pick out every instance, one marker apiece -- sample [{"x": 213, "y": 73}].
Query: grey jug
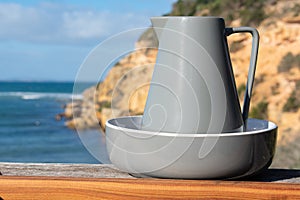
[{"x": 193, "y": 88}]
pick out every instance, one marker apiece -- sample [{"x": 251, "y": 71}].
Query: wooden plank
[
  {"x": 109, "y": 171},
  {"x": 13, "y": 187},
  {"x": 66, "y": 170}
]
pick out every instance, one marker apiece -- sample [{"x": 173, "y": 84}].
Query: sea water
[{"x": 29, "y": 131}]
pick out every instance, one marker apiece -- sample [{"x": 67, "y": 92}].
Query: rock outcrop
[
  {"x": 277, "y": 81},
  {"x": 123, "y": 92},
  {"x": 81, "y": 113}
]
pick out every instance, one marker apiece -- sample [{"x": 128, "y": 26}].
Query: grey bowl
[{"x": 190, "y": 156}]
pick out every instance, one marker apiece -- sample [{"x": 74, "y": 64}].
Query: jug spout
[{"x": 158, "y": 24}]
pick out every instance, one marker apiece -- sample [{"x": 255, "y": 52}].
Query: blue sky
[{"x": 48, "y": 40}]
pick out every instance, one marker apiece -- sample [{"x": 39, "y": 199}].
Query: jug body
[{"x": 192, "y": 88}]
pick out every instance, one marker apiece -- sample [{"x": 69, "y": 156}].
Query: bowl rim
[{"x": 271, "y": 126}]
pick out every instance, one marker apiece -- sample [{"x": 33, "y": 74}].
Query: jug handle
[{"x": 252, "y": 66}]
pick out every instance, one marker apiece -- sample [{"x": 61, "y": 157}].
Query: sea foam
[{"x": 40, "y": 95}]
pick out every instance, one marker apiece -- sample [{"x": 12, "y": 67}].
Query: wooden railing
[{"x": 92, "y": 181}]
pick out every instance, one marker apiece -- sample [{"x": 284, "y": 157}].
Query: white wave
[
  {"x": 40, "y": 95},
  {"x": 30, "y": 96}
]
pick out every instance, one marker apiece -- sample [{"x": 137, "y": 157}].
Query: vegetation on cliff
[{"x": 251, "y": 12}]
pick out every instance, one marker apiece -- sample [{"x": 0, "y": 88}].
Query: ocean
[{"x": 29, "y": 131}]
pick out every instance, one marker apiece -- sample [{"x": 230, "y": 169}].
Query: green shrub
[
  {"x": 184, "y": 8},
  {"x": 260, "y": 111},
  {"x": 275, "y": 89},
  {"x": 251, "y": 12},
  {"x": 236, "y": 46},
  {"x": 289, "y": 61},
  {"x": 296, "y": 10},
  {"x": 104, "y": 104},
  {"x": 241, "y": 89},
  {"x": 292, "y": 104},
  {"x": 298, "y": 85}
]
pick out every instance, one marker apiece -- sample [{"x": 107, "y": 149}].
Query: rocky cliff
[{"x": 276, "y": 92}]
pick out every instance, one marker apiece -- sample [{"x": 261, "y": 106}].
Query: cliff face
[
  {"x": 277, "y": 82},
  {"x": 123, "y": 92},
  {"x": 125, "y": 89}
]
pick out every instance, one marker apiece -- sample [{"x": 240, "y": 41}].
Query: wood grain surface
[
  {"x": 16, "y": 187},
  {"x": 110, "y": 171}
]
